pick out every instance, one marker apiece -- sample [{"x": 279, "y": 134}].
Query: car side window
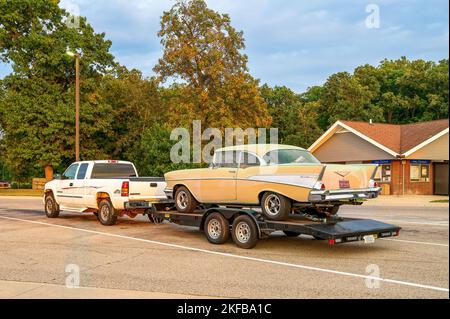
[
  {"x": 70, "y": 172},
  {"x": 248, "y": 160},
  {"x": 82, "y": 171},
  {"x": 226, "y": 159}
]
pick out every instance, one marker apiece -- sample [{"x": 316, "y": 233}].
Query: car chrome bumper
[
  {"x": 169, "y": 193},
  {"x": 343, "y": 194}
]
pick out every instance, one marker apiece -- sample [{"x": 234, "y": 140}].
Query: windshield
[{"x": 290, "y": 156}]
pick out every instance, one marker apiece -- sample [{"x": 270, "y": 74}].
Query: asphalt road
[{"x": 138, "y": 259}]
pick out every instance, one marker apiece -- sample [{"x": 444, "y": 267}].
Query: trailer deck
[{"x": 247, "y": 226}]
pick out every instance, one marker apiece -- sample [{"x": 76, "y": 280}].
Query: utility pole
[
  {"x": 77, "y": 57},
  {"x": 77, "y": 107}
]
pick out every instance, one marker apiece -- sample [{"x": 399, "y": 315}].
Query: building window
[
  {"x": 383, "y": 174},
  {"x": 419, "y": 173}
]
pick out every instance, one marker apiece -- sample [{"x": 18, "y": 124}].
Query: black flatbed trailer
[{"x": 247, "y": 226}]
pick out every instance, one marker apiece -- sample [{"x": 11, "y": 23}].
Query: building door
[{"x": 441, "y": 178}]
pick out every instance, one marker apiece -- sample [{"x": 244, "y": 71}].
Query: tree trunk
[{"x": 48, "y": 169}]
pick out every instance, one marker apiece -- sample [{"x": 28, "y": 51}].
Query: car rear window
[{"x": 112, "y": 170}]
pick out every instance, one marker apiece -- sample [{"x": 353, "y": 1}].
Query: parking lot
[{"x": 138, "y": 259}]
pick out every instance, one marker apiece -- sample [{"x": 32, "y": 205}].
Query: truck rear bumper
[{"x": 343, "y": 194}]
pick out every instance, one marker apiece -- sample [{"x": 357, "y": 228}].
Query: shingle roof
[{"x": 399, "y": 138}]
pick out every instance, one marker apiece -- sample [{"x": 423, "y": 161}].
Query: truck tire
[
  {"x": 106, "y": 213},
  {"x": 184, "y": 201},
  {"x": 51, "y": 207},
  {"x": 275, "y": 206},
  {"x": 244, "y": 232},
  {"x": 217, "y": 228}
]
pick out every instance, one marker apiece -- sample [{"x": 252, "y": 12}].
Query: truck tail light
[
  {"x": 125, "y": 191},
  {"x": 322, "y": 187}
]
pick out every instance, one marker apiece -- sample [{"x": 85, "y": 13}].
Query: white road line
[
  {"x": 405, "y": 283},
  {"x": 415, "y": 242}
]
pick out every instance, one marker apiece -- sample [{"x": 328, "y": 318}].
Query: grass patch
[
  {"x": 21, "y": 192},
  {"x": 439, "y": 201}
]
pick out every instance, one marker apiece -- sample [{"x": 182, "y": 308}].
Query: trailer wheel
[
  {"x": 275, "y": 206},
  {"x": 244, "y": 232},
  {"x": 290, "y": 233},
  {"x": 217, "y": 228},
  {"x": 184, "y": 201},
  {"x": 106, "y": 213},
  {"x": 51, "y": 207}
]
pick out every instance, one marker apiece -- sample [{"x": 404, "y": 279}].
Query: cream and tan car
[{"x": 279, "y": 178}]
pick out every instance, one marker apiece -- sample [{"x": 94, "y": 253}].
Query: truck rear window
[{"x": 112, "y": 170}]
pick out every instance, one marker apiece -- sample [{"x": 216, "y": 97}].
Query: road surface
[{"x": 40, "y": 257}]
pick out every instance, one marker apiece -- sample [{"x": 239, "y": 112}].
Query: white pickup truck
[{"x": 108, "y": 189}]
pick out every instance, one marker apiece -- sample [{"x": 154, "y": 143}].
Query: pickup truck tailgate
[{"x": 147, "y": 188}]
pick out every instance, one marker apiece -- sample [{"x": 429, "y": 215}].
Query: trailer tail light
[
  {"x": 331, "y": 242},
  {"x": 397, "y": 233},
  {"x": 125, "y": 191}
]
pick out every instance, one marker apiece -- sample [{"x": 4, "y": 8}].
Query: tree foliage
[{"x": 202, "y": 49}]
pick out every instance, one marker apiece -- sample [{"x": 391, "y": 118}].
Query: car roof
[{"x": 259, "y": 149}]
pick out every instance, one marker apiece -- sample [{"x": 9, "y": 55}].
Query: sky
[{"x": 296, "y": 43}]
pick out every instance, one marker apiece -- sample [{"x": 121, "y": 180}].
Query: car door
[
  {"x": 79, "y": 190},
  {"x": 219, "y": 184},
  {"x": 247, "y": 189},
  {"x": 65, "y": 191}
]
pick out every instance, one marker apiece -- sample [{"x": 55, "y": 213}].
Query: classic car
[{"x": 279, "y": 178}]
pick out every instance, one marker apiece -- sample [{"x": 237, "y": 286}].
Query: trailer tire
[
  {"x": 244, "y": 232},
  {"x": 275, "y": 206},
  {"x": 217, "y": 228},
  {"x": 106, "y": 213},
  {"x": 51, "y": 207},
  {"x": 291, "y": 233}
]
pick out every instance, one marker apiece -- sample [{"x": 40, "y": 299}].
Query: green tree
[
  {"x": 203, "y": 50},
  {"x": 37, "y": 106}
]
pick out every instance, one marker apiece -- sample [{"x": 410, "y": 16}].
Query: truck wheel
[
  {"x": 51, "y": 207},
  {"x": 106, "y": 214},
  {"x": 244, "y": 232},
  {"x": 217, "y": 228},
  {"x": 184, "y": 201},
  {"x": 290, "y": 233},
  {"x": 275, "y": 206}
]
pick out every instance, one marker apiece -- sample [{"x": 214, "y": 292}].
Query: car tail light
[{"x": 125, "y": 191}]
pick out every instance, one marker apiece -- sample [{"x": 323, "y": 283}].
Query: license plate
[
  {"x": 369, "y": 239},
  {"x": 344, "y": 184}
]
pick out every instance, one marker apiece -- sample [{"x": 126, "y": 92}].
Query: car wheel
[
  {"x": 106, "y": 213},
  {"x": 217, "y": 228},
  {"x": 244, "y": 232},
  {"x": 275, "y": 206},
  {"x": 51, "y": 207},
  {"x": 290, "y": 233},
  {"x": 184, "y": 201}
]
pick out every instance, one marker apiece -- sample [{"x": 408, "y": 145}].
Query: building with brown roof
[{"x": 413, "y": 158}]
